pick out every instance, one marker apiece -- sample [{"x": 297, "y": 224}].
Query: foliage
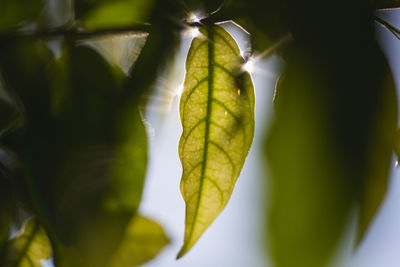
[
  {"x": 217, "y": 113},
  {"x": 73, "y": 146}
]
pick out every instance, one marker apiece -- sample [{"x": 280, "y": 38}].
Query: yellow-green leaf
[
  {"x": 29, "y": 247},
  {"x": 217, "y": 114},
  {"x": 120, "y": 13},
  {"x": 144, "y": 239}
]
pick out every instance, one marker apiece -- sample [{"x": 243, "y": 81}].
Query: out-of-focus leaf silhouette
[
  {"x": 330, "y": 142},
  {"x": 101, "y": 173},
  {"x": 84, "y": 169},
  {"x": 143, "y": 240},
  {"x": 217, "y": 115},
  {"x": 311, "y": 194},
  {"x": 28, "y": 247},
  {"x": 15, "y": 13}
]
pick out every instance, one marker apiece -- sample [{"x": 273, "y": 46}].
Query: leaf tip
[
  {"x": 181, "y": 253},
  {"x": 185, "y": 248}
]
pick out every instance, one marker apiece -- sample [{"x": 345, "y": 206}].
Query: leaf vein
[{"x": 220, "y": 148}]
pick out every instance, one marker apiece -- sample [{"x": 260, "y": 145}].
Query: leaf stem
[
  {"x": 75, "y": 33},
  {"x": 388, "y": 26}
]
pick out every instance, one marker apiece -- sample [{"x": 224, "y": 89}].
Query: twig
[
  {"x": 388, "y": 26},
  {"x": 73, "y": 33}
]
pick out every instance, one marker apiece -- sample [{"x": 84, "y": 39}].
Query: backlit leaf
[
  {"x": 28, "y": 248},
  {"x": 120, "y": 13},
  {"x": 143, "y": 240},
  {"x": 217, "y": 114}
]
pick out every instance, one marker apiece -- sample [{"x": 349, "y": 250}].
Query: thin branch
[
  {"x": 74, "y": 33},
  {"x": 388, "y": 26}
]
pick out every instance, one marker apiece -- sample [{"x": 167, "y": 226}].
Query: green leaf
[
  {"x": 120, "y": 13},
  {"x": 18, "y": 12},
  {"x": 101, "y": 160},
  {"x": 143, "y": 240},
  {"x": 29, "y": 247},
  {"x": 327, "y": 150},
  {"x": 85, "y": 154},
  {"x": 217, "y": 114},
  {"x": 306, "y": 216}
]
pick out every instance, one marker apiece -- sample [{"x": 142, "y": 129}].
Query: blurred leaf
[
  {"x": 85, "y": 156},
  {"x": 143, "y": 240},
  {"x": 382, "y": 4},
  {"x": 311, "y": 194},
  {"x": 18, "y": 12},
  {"x": 56, "y": 14},
  {"x": 99, "y": 175},
  {"x": 117, "y": 13},
  {"x": 29, "y": 247},
  {"x": 217, "y": 113},
  {"x": 328, "y": 148},
  {"x": 120, "y": 50},
  {"x": 383, "y": 139}
]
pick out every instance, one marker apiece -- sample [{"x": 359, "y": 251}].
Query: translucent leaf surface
[
  {"x": 28, "y": 247},
  {"x": 217, "y": 114},
  {"x": 120, "y": 13},
  {"x": 143, "y": 240},
  {"x": 121, "y": 50}
]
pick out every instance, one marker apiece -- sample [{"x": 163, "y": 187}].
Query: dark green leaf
[
  {"x": 329, "y": 145},
  {"x": 94, "y": 186},
  {"x": 16, "y": 13},
  {"x": 217, "y": 114}
]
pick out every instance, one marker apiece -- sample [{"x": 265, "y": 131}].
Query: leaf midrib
[{"x": 210, "y": 35}]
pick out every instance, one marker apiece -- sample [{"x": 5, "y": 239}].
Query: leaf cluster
[{"x": 73, "y": 146}]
